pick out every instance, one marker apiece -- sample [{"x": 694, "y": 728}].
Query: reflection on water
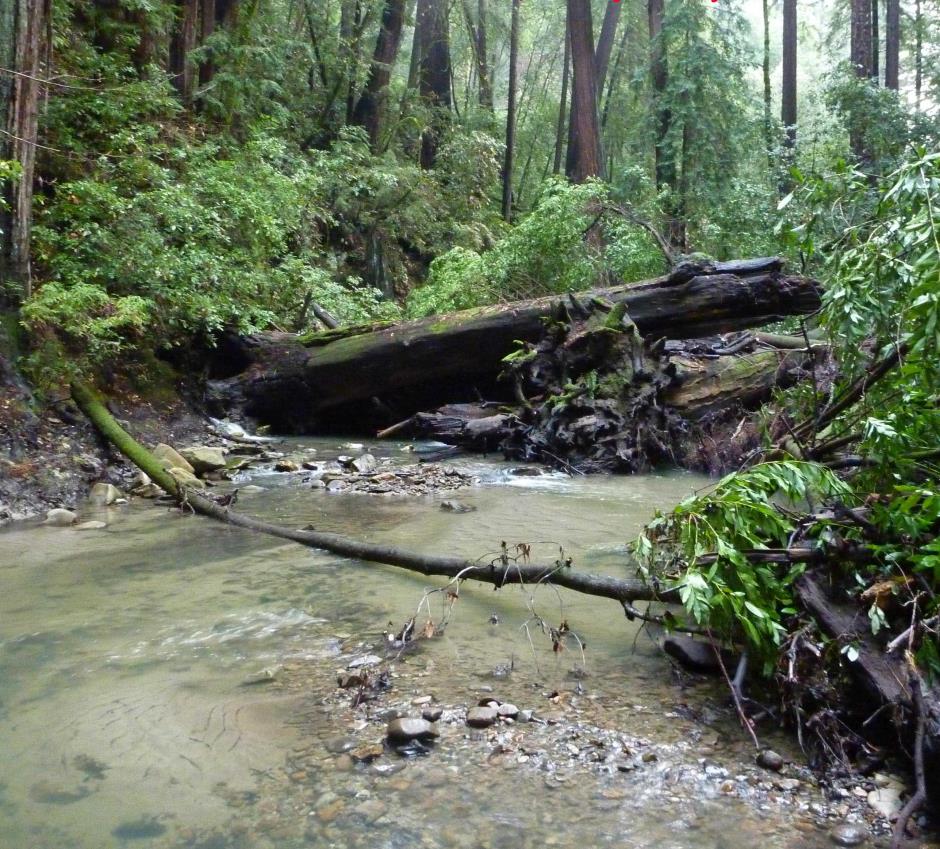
[{"x": 126, "y": 716}]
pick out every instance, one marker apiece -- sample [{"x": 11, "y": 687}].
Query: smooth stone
[
  {"x": 481, "y": 717},
  {"x": 432, "y": 714},
  {"x": 341, "y": 745},
  {"x": 367, "y": 753},
  {"x": 337, "y": 485},
  {"x": 769, "y": 759},
  {"x": 60, "y": 518},
  {"x": 364, "y": 464},
  {"x": 410, "y": 728},
  {"x": 507, "y": 710},
  {"x": 147, "y": 490},
  {"x": 204, "y": 458},
  {"x": 363, "y": 660},
  {"x": 251, "y": 489},
  {"x": 286, "y": 466},
  {"x": 186, "y": 478},
  {"x": 886, "y": 800},
  {"x": 91, "y": 526},
  {"x": 103, "y": 494},
  {"x": 695, "y": 655},
  {"x": 170, "y": 458},
  {"x": 848, "y": 834}
]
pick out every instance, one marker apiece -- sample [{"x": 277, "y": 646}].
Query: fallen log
[
  {"x": 419, "y": 365},
  {"x": 498, "y": 572}
]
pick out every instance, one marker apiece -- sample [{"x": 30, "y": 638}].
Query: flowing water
[{"x": 126, "y": 719}]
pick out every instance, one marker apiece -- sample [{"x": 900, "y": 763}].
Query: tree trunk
[
  {"x": 875, "y": 40},
  {"x": 788, "y": 98},
  {"x": 861, "y": 55},
  {"x": 665, "y": 163},
  {"x": 768, "y": 102},
  {"x": 584, "y": 149},
  {"x": 892, "y": 43},
  {"x": 182, "y": 41},
  {"x": 420, "y": 365},
  {"x": 25, "y": 31},
  {"x": 478, "y": 44},
  {"x": 511, "y": 111},
  {"x": 207, "y": 68},
  {"x": 614, "y": 75},
  {"x": 370, "y": 110},
  {"x": 562, "y": 106},
  {"x": 434, "y": 75},
  {"x": 918, "y": 53},
  {"x": 605, "y": 44}
]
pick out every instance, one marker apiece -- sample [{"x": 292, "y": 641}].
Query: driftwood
[
  {"x": 497, "y": 572},
  {"x": 419, "y": 365}
]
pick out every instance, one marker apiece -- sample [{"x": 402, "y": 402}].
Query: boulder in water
[{"x": 204, "y": 458}]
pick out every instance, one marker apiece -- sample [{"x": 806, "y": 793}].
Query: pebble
[
  {"x": 481, "y": 717},
  {"x": 848, "y": 834},
  {"x": 769, "y": 759}
]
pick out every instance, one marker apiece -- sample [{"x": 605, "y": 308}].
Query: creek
[{"x": 126, "y": 718}]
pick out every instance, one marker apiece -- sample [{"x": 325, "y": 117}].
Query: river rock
[
  {"x": 147, "y": 490},
  {"x": 170, "y": 458},
  {"x": 410, "y": 728},
  {"x": 186, "y": 478},
  {"x": 456, "y": 507},
  {"x": 91, "y": 526},
  {"x": 204, "y": 458},
  {"x": 507, "y": 711},
  {"x": 849, "y": 834},
  {"x": 697, "y": 655},
  {"x": 769, "y": 759},
  {"x": 886, "y": 800},
  {"x": 481, "y": 717},
  {"x": 364, "y": 464},
  {"x": 103, "y": 494},
  {"x": 60, "y": 518},
  {"x": 432, "y": 714},
  {"x": 286, "y": 466}
]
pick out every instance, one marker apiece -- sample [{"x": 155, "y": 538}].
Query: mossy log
[
  {"x": 496, "y": 572},
  {"x": 420, "y": 365}
]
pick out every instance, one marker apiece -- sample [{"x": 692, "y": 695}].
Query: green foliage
[{"x": 732, "y": 596}]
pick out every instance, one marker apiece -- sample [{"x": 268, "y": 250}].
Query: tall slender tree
[
  {"x": 860, "y": 54},
  {"x": 25, "y": 41},
  {"x": 788, "y": 93},
  {"x": 875, "y": 39},
  {"x": 183, "y": 40},
  {"x": 768, "y": 102},
  {"x": 478, "y": 44},
  {"x": 511, "y": 111},
  {"x": 370, "y": 109},
  {"x": 605, "y": 44},
  {"x": 659, "y": 73},
  {"x": 584, "y": 149},
  {"x": 892, "y": 42},
  {"x": 562, "y": 106}
]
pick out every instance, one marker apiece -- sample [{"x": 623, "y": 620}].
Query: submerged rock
[
  {"x": 91, "y": 526},
  {"x": 769, "y": 759},
  {"x": 103, "y": 494},
  {"x": 481, "y": 717},
  {"x": 364, "y": 464},
  {"x": 848, "y": 834},
  {"x": 60, "y": 518},
  {"x": 456, "y": 507}
]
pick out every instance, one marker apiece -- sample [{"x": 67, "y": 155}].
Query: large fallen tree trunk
[
  {"x": 419, "y": 365},
  {"x": 498, "y": 572}
]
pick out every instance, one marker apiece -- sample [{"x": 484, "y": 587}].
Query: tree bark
[
  {"x": 659, "y": 73},
  {"x": 605, "y": 44},
  {"x": 25, "y": 31},
  {"x": 788, "y": 94},
  {"x": 370, "y": 110},
  {"x": 182, "y": 41},
  {"x": 434, "y": 75},
  {"x": 614, "y": 75},
  {"x": 861, "y": 55},
  {"x": 585, "y": 158},
  {"x": 511, "y": 111},
  {"x": 875, "y": 40},
  {"x": 768, "y": 125},
  {"x": 892, "y": 43},
  {"x": 918, "y": 53},
  {"x": 420, "y": 365},
  {"x": 562, "y": 106},
  {"x": 478, "y": 43}
]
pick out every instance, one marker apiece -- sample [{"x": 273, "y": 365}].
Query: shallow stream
[{"x": 126, "y": 719}]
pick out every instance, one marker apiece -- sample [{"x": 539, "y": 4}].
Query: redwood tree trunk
[
  {"x": 788, "y": 99},
  {"x": 370, "y": 110},
  {"x": 562, "y": 106},
  {"x": 605, "y": 44},
  {"x": 182, "y": 41},
  {"x": 861, "y": 55},
  {"x": 511, "y": 111},
  {"x": 434, "y": 76},
  {"x": 584, "y": 150},
  {"x": 768, "y": 126},
  {"x": 24, "y": 29},
  {"x": 875, "y": 39},
  {"x": 892, "y": 43},
  {"x": 665, "y": 164}
]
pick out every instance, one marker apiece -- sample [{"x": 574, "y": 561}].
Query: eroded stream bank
[{"x": 124, "y": 718}]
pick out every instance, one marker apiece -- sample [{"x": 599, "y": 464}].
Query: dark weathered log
[{"x": 422, "y": 364}]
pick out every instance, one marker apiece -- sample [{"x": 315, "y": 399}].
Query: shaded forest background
[{"x": 172, "y": 169}]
